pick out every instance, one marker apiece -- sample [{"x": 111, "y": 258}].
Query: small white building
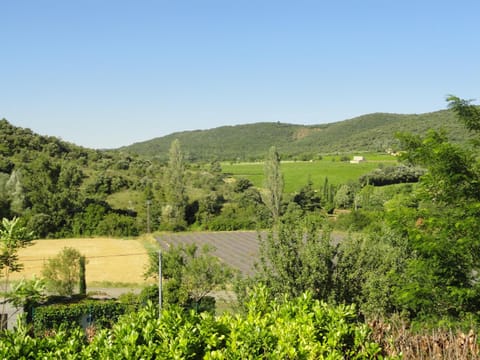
[{"x": 357, "y": 160}]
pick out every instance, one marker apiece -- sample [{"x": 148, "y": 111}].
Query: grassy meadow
[
  {"x": 110, "y": 262},
  {"x": 297, "y": 173}
]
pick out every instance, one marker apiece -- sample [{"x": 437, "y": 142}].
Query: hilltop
[{"x": 372, "y": 132}]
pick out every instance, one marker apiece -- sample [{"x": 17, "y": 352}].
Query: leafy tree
[
  {"x": 6, "y": 165},
  {"x": 438, "y": 227},
  {"x": 245, "y": 210},
  {"x": 13, "y": 237},
  {"x": 4, "y": 197},
  {"x": 297, "y": 256},
  {"x": 216, "y": 170},
  {"x": 86, "y": 223},
  {"x": 344, "y": 197},
  {"x": 190, "y": 273},
  {"x": 63, "y": 272},
  {"x": 241, "y": 185},
  {"x": 273, "y": 183},
  {"x": 51, "y": 190},
  {"x": 452, "y": 173},
  {"x": 173, "y": 213},
  {"x": 26, "y": 294},
  {"x": 16, "y": 193},
  {"x": 367, "y": 268},
  {"x": 209, "y": 207},
  {"x": 118, "y": 224},
  {"x": 466, "y": 112},
  {"x": 307, "y": 198}
]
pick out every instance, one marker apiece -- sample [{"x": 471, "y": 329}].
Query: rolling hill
[{"x": 372, "y": 132}]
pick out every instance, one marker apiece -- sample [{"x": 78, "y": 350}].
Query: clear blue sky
[{"x": 104, "y": 73}]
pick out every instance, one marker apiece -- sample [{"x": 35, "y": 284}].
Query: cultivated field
[
  {"x": 238, "y": 249},
  {"x": 298, "y": 173},
  {"x": 109, "y": 261}
]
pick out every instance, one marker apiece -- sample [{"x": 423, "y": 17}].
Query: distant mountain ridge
[{"x": 372, "y": 132}]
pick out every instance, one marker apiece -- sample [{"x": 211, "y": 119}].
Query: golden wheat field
[{"x": 108, "y": 260}]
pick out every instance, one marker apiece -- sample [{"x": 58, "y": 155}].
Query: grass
[
  {"x": 298, "y": 173},
  {"x": 127, "y": 199},
  {"x": 109, "y": 261}
]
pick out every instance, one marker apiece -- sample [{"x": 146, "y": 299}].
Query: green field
[{"x": 297, "y": 173}]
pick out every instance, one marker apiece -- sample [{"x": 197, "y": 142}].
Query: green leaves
[
  {"x": 296, "y": 256},
  {"x": 190, "y": 273},
  {"x": 13, "y": 236},
  {"x": 469, "y": 114},
  {"x": 296, "y": 328},
  {"x": 274, "y": 184},
  {"x": 63, "y": 271}
]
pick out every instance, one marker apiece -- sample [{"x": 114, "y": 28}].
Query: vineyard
[{"x": 238, "y": 249}]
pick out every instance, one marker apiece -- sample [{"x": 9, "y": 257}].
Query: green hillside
[
  {"x": 372, "y": 132},
  {"x": 225, "y": 143},
  {"x": 60, "y": 189}
]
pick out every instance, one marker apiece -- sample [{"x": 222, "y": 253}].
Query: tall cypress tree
[
  {"x": 273, "y": 183},
  {"x": 173, "y": 213},
  {"x": 82, "y": 278}
]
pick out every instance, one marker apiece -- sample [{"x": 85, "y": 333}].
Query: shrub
[
  {"x": 298, "y": 328},
  {"x": 63, "y": 272},
  {"x": 69, "y": 316},
  {"x": 356, "y": 220}
]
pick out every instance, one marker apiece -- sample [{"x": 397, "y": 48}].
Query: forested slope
[
  {"x": 60, "y": 189},
  {"x": 372, "y": 132}
]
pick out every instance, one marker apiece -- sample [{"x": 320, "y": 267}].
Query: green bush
[
  {"x": 300, "y": 328},
  {"x": 353, "y": 221},
  {"x": 68, "y": 316}
]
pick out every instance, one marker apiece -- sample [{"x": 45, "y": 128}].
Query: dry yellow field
[{"x": 108, "y": 260}]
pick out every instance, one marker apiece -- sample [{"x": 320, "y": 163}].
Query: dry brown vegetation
[
  {"x": 438, "y": 344},
  {"x": 108, "y": 260}
]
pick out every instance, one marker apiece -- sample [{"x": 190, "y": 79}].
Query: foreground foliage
[{"x": 300, "y": 328}]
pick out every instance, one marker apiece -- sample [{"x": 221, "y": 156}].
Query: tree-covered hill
[
  {"x": 243, "y": 142},
  {"x": 61, "y": 189},
  {"x": 372, "y": 132}
]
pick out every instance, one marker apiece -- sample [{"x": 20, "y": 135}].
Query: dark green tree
[
  {"x": 52, "y": 194},
  {"x": 308, "y": 198},
  {"x": 82, "y": 279}
]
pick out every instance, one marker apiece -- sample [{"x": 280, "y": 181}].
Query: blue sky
[{"x": 104, "y": 74}]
